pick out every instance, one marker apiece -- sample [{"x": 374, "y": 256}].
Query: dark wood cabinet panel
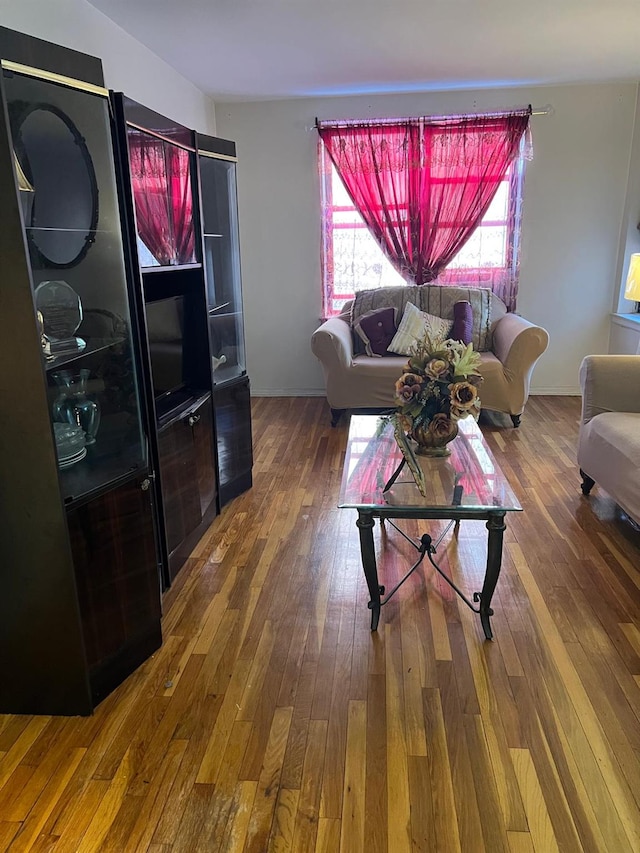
[
  {"x": 205, "y": 459},
  {"x": 113, "y": 547},
  {"x": 178, "y": 482},
  {"x": 232, "y": 406},
  {"x": 188, "y": 480}
]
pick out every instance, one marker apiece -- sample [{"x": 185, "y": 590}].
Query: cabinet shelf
[
  {"x": 88, "y": 479},
  {"x": 169, "y": 268},
  {"x": 66, "y": 230},
  {"x": 217, "y": 312},
  {"x": 226, "y": 373},
  {"x": 93, "y": 345},
  {"x": 111, "y": 458}
]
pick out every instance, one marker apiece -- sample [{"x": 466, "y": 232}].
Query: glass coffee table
[{"x": 468, "y": 484}]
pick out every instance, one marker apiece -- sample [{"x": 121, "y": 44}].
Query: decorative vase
[
  {"x": 72, "y": 405},
  {"x": 432, "y": 438}
]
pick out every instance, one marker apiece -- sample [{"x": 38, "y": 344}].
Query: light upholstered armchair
[{"x": 609, "y": 439}]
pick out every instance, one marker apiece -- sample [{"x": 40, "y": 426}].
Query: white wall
[
  {"x": 630, "y": 235},
  {"x": 128, "y": 66},
  {"x": 574, "y": 205}
]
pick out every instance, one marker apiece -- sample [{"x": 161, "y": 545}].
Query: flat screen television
[{"x": 165, "y": 330}]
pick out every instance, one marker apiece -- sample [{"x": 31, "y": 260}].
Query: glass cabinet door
[
  {"x": 64, "y": 166},
  {"x": 161, "y": 184},
  {"x": 222, "y": 267}
]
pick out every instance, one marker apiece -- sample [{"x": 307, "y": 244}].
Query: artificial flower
[
  {"x": 408, "y": 387},
  {"x": 436, "y": 368},
  {"x": 441, "y": 426},
  {"x": 463, "y": 395}
]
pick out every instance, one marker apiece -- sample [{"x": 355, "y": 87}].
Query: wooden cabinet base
[
  {"x": 113, "y": 547},
  {"x": 111, "y": 673},
  {"x": 188, "y": 486},
  {"x": 232, "y": 488}
]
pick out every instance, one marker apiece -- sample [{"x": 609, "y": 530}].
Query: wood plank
[
  {"x": 355, "y": 773},
  {"x": 306, "y": 827},
  {"x": 398, "y": 795},
  {"x": 423, "y": 832},
  {"x": 376, "y": 804},
  {"x": 21, "y": 747},
  {"x": 267, "y": 791},
  {"x": 445, "y": 818},
  {"x": 109, "y": 806},
  {"x": 540, "y": 826},
  {"x": 45, "y": 803},
  {"x": 328, "y": 835},
  {"x": 281, "y": 838},
  {"x": 237, "y": 828}
]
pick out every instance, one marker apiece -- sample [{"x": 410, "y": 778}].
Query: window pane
[
  {"x": 487, "y": 247},
  {"x": 359, "y": 263},
  {"x": 348, "y": 217},
  {"x": 340, "y": 195},
  {"x": 499, "y": 207}
]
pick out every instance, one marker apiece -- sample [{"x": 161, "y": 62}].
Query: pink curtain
[
  {"x": 422, "y": 186},
  {"x": 161, "y": 179}
]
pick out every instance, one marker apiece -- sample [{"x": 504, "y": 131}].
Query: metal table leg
[
  {"x": 496, "y": 527},
  {"x": 367, "y": 551}
]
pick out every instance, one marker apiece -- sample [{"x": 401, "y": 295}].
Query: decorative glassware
[{"x": 72, "y": 405}]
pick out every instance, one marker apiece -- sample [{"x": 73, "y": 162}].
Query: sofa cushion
[
  {"x": 439, "y": 300},
  {"x": 415, "y": 324},
  {"x": 370, "y": 382},
  {"x": 377, "y": 328},
  {"x": 462, "y": 329}
]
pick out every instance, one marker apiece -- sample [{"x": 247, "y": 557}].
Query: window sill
[{"x": 631, "y": 321}]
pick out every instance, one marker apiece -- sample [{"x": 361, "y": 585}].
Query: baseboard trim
[
  {"x": 288, "y": 392},
  {"x": 562, "y": 391}
]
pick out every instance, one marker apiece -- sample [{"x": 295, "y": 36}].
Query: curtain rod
[{"x": 534, "y": 111}]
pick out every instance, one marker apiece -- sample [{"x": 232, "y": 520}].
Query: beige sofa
[
  {"x": 609, "y": 439},
  {"x": 509, "y": 347}
]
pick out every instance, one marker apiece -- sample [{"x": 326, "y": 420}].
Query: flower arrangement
[{"x": 438, "y": 388}]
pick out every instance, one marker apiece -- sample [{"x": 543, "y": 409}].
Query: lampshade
[{"x": 632, "y": 290}]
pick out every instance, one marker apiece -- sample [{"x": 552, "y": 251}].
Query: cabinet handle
[
  {"x": 193, "y": 420},
  {"x": 144, "y": 485}
]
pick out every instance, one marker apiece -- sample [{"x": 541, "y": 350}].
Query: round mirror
[{"x": 63, "y": 213}]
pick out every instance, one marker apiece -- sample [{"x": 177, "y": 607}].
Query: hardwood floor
[{"x": 272, "y": 719}]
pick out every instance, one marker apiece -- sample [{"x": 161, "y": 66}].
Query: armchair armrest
[
  {"x": 518, "y": 344},
  {"x": 332, "y": 344},
  {"x": 609, "y": 383}
]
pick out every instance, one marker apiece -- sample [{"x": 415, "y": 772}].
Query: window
[{"x": 352, "y": 259}]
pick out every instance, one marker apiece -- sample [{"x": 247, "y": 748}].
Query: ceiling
[{"x": 266, "y": 49}]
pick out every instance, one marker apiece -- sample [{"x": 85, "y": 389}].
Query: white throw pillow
[{"x": 413, "y": 327}]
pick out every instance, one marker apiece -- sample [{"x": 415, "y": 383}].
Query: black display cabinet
[
  {"x": 80, "y": 605},
  {"x": 159, "y": 158},
  {"x": 221, "y": 254}
]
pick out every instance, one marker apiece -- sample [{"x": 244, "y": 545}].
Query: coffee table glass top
[{"x": 373, "y": 455}]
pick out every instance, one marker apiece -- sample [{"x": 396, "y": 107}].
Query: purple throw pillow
[
  {"x": 462, "y": 323},
  {"x": 377, "y": 328}
]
